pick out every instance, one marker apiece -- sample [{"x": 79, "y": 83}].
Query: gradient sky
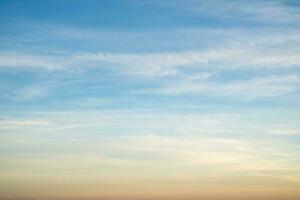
[{"x": 149, "y": 99}]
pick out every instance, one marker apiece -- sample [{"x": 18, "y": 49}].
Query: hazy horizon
[{"x": 149, "y": 100}]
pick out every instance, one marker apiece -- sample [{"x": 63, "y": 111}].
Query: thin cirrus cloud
[
  {"x": 159, "y": 63},
  {"x": 178, "y": 99},
  {"x": 28, "y": 61},
  {"x": 137, "y": 123},
  {"x": 167, "y": 64},
  {"x": 268, "y": 86},
  {"x": 210, "y": 153},
  {"x": 270, "y": 12}
]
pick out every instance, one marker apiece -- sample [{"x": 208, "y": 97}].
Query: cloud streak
[
  {"x": 270, "y": 12},
  {"x": 252, "y": 88},
  {"x": 161, "y": 64}
]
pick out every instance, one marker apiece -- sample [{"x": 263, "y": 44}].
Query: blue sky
[{"x": 175, "y": 90}]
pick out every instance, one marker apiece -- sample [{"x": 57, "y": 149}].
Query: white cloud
[
  {"x": 223, "y": 142},
  {"x": 284, "y": 130},
  {"x": 140, "y": 122},
  {"x": 172, "y": 63},
  {"x": 27, "y": 61},
  {"x": 93, "y": 101},
  {"x": 257, "y": 87},
  {"x": 157, "y": 151},
  {"x": 272, "y": 12},
  {"x": 221, "y": 154},
  {"x": 258, "y": 53},
  {"x": 28, "y": 93},
  {"x": 127, "y": 122},
  {"x": 23, "y": 123},
  {"x": 266, "y": 11}
]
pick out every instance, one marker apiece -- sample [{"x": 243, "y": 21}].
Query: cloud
[
  {"x": 184, "y": 154},
  {"x": 271, "y": 12},
  {"x": 265, "y": 11},
  {"x": 257, "y": 87},
  {"x": 160, "y": 64},
  {"x": 234, "y": 154},
  {"x": 73, "y": 141},
  {"x": 93, "y": 101},
  {"x": 27, "y": 61},
  {"x": 172, "y": 63},
  {"x": 139, "y": 122},
  {"x": 21, "y": 124},
  {"x": 133, "y": 122},
  {"x": 284, "y": 130},
  {"x": 29, "y": 93}
]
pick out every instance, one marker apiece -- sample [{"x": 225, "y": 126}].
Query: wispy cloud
[
  {"x": 28, "y": 61},
  {"x": 174, "y": 62},
  {"x": 236, "y": 49},
  {"x": 139, "y": 122},
  {"x": 28, "y": 93},
  {"x": 160, "y": 64},
  {"x": 271, "y": 12},
  {"x": 92, "y": 101},
  {"x": 190, "y": 97},
  {"x": 16, "y": 124},
  {"x": 227, "y": 154},
  {"x": 266, "y": 11},
  {"x": 283, "y": 130},
  {"x": 221, "y": 155},
  {"x": 252, "y": 88}
]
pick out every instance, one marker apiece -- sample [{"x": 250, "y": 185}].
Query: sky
[{"x": 149, "y": 99}]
